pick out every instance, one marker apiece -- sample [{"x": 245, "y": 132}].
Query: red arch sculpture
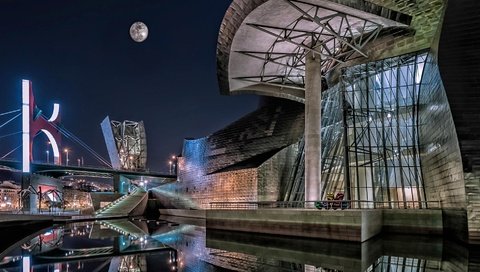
[{"x": 33, "y": 123}]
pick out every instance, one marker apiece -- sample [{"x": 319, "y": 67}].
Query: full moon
[{"x": 139, "y": 31}]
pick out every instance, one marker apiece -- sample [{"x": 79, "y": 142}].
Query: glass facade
[
  {"x": 380, "y": 102},
  {"x": 333, "y": 141}
]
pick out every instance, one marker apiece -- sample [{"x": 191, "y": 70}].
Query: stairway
[
  {"x": 124, "y": 227},
  {"x": 125, "y": 205}
]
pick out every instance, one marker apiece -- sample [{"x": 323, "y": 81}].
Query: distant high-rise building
[{"x": 126, "y": 144}]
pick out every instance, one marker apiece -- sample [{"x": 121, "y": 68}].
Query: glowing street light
[
  {"x": 131, "y": 163},
  {"x": 66, "y": 155},
  {"x": 174, "y": 164},
  {"x": 170, "y": 163},
  {"x": 48, "y": 151}
]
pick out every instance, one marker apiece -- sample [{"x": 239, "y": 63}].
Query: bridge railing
[
  {"x": 86, "y": 167},
  {"x": 116, "y": 201},
  {"x": 326, "y": 204}
]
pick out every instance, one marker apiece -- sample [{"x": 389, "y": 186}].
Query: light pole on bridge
[
  {"x": 66, "y": 155},
  {"x": 174, "y": 164},
  {"x": 48, "y": 151}
]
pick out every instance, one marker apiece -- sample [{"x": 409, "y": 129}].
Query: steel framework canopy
[{"x": 262, "y": 44}]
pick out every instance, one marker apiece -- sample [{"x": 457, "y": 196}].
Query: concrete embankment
[
  {"x": 9, "y": 219},
  {"x": 345, "y": 225}
]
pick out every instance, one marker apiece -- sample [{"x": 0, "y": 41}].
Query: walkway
[{"x": 125, "y": 205}]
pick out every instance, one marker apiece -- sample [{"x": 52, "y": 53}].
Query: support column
[
  {"x": 313, "y": 117},
  {"x": 117, "y": 183},
  {"x": 26, "y": 203},
  {"x": 120, "y": 184}
]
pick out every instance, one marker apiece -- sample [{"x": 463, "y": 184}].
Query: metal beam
[
  {"x": 250, "y": 79},
  {"x": 287, "y": 39},
  {"x": 327, "y": 27},
  {"x": 267, "y": 59}
]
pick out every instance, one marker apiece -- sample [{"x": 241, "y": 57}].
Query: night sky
[{"x": 79, "y": 54}]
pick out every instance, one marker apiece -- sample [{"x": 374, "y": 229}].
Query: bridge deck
[{"x": 62, "y": 170}]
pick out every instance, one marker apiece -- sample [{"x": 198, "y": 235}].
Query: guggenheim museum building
[{"x": 375, "y": 99}]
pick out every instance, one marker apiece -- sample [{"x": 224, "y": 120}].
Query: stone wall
[
  {"x": 139, "y": 208},
  {"x": 338, "y": 225},
  {"x": 423, "y": 221},
  {"x": 103, "y": 197},
  {"x": 346, "y": 225},
  {"x": 455, "y": 224}
]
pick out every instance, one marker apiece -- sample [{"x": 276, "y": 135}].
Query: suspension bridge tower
[{"x": 33, "y": 123}]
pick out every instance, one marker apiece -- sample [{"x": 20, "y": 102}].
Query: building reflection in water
[
  {"x": 161, "y": 245},
  {"x": 201, "y": 250},
  {"x": 133, "y": 263},
  {"x": 392, "y": 263},
  {"x": 116, "y": 245}
]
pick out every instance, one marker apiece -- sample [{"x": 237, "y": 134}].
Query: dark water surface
[{"x": 179, "y": 244}]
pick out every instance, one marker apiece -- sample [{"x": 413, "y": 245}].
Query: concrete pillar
[
  {"x": 28, "y": 203},
  {"x": 116, "y": 183},
  {"x": 120, "y": 184},
  {"x": 118, "y": 244},
  {"x": 313, "y": 117}
]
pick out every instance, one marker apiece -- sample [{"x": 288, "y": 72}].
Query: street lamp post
[
  {"x": 66, "y": 156},
  {"x": 170, "y": 163},
  {"x": 174, "y": 159},
  {"x": 48, "y": 151}
]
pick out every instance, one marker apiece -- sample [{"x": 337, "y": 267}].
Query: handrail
[
  {"x": 113, "y": 203},
  {"x": 327, "y": 204}
]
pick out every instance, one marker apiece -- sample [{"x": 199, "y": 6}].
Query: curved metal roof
[{"x": 262, "y": 44}]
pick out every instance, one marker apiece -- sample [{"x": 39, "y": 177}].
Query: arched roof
[{"x": 262, "y": 43}]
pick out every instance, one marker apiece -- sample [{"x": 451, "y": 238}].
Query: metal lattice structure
[
  {"x": 376, "y": 106},
  {"x": 126, "y": 143},
  {"x": 268, "y": 53},
  {"x": 379, "y": 159},
  {"x": 336, "y": 36},
  {"x": 383, "y": 130}
]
